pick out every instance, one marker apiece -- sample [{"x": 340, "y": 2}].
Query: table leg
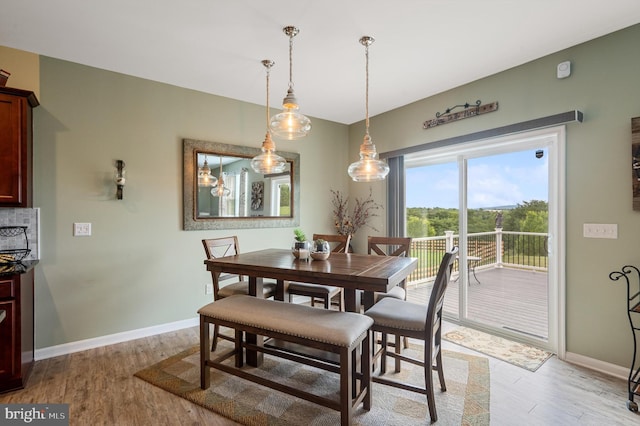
[
  {"x": 368, "y": 299},
  {"x": 255, "y": 358},
  {"x": 282, "y": 290},
  {"x": 473, "y": 270},
  {"x": 352, "y": 300}
]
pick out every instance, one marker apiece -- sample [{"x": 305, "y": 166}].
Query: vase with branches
[{"x": 347, "y": 222}]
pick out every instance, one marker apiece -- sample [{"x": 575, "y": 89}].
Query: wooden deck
[{"x": 512, "y": 299}]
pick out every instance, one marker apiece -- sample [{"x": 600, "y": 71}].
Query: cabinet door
[
  {"x": 9, "y": 364},
  {"x": 13, "y": 151}
]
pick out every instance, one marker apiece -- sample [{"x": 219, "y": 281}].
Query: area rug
[
  {"x": 466, "y": 401},
  {"x": 515, "y": 353}
]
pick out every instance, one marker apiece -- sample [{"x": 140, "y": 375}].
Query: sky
[{"x": 494, "y": 181}]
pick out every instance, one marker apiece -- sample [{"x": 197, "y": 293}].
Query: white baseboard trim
[
  {"x": 111, "y": 339},
  {"x": 82, "y": 345},
  {"x": 597, "y": 365}
]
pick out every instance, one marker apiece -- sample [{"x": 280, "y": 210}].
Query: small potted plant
[
  {"x": 321, "y": 250},
  {"x": 301, "y": 247}
]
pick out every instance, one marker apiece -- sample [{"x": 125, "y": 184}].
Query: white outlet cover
[{"x": 81, "y": 229}]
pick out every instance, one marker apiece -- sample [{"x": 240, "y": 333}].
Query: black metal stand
[
  {"x": 631, "y": 275},
  {"x": 10, "y": 256}
]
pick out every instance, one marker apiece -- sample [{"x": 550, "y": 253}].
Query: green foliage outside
[
  {"x": 285, "y": 196},
  {"x": 530, "y": 216}
]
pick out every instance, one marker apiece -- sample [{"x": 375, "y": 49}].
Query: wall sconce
[{"x": 120, "y": 179}]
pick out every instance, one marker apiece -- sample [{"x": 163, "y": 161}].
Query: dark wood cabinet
[
  {"x": 16, "y": 146},
  {"x": 16, "y": 329}
]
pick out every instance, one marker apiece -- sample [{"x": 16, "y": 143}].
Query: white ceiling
[{"x": 423, "y": 47}]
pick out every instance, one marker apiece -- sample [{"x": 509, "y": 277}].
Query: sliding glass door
[{"x": 498, "y": 201}]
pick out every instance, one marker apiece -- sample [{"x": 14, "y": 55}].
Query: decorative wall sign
[
  {"x": 257, "y": 195},
  {"x": 635, "y": 161},
  {"x": 468, "y": 111}
]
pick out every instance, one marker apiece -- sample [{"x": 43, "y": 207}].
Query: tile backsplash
[{"x": 29, "y": 217}]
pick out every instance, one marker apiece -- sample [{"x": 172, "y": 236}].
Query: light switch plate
[
  {"x": 81, "y": 229},
  {"x": 600, "y": 230}
]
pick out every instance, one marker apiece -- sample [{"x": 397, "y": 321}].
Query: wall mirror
[{"x": 221, "y": 191}]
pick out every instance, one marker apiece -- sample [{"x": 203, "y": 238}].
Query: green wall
[
  {"x": 139, "y": 269},
  {"x": 604, "y": 86}
]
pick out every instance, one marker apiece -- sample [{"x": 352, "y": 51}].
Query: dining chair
[
  {"x": 324, "y": 292},
  {"x": 221, "y": 247},
  {"x": 390, "y": 246},
  {"x": 401, "y": 318}
]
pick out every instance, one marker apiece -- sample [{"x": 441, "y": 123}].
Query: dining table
[{"x": 351, "y": 271}]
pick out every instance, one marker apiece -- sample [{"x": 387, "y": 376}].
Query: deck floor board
[{"x": 507, "y": 298}]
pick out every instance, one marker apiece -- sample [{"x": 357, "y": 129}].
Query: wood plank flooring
[
  {"x": 101, "y": 390},
  {"x": 513, "y": 299}
]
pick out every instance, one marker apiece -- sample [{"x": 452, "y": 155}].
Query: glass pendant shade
[
  {"x": 269, "y": 161},
  {"x": 219, "y": 190},
  {"x": 205, "y": 178},
  {"x": 369, "y": 168},
  {"x": 290, "y": 124}
]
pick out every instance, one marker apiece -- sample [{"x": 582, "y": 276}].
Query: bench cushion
[{"x": 321, "y": 325}]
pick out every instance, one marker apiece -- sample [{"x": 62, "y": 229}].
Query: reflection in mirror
[
  {"x": 221, "y": 190},
  {"x": 233, "y": 189}
]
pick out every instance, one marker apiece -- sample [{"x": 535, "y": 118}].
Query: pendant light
[
  {"x": 369, "y": 168},
  {"x": 220, "y": 190},
  {"x": 205, "y": 178},
  {"x": 268, "y": 162},
  {"x": 290, "y": 124}
]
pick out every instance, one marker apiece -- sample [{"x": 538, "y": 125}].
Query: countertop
[{"x": 17, "y": 268}]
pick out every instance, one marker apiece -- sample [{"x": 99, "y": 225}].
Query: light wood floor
[
  {"x": 513, "y": 299},
  {"x": 101, "y": 390}
]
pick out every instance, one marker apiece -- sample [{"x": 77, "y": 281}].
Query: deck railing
[{"x": 523, "y": 250}]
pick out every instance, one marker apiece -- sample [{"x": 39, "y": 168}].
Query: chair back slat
[
  {"x": 389, "y": 246},
  {"x": 221, "y": 247},
  {"x": 342, "y": 241}
]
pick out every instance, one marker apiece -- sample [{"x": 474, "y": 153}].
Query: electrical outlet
[
  {"x": 600, "y": 230},
  {"x": 208, "y": 289},
  {"x": 81, "y": 229}
]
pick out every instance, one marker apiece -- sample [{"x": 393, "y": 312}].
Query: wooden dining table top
[{"x": 347, "y": 270}]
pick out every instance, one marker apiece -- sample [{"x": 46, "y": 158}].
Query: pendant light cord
[
  {"x": 366, "y": 54},
  {"x": 268, "y": 73},
  {"x": 291, "y": 61}
]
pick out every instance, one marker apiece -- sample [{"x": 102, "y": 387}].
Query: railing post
[
  {"x": 448, "y": 238},
  {"x": 499, "y": 247}
]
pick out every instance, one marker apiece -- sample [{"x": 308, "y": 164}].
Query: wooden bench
[{"x": 345, "y": 334}]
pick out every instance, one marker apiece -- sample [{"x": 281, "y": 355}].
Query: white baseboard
[
  {"x": 82, "y": 345},
  {"x": 597, "y": 365},
  {"x": 111, "y": 339}
]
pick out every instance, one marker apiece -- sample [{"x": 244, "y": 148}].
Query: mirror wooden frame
[{"x": 191, "y": 222}]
